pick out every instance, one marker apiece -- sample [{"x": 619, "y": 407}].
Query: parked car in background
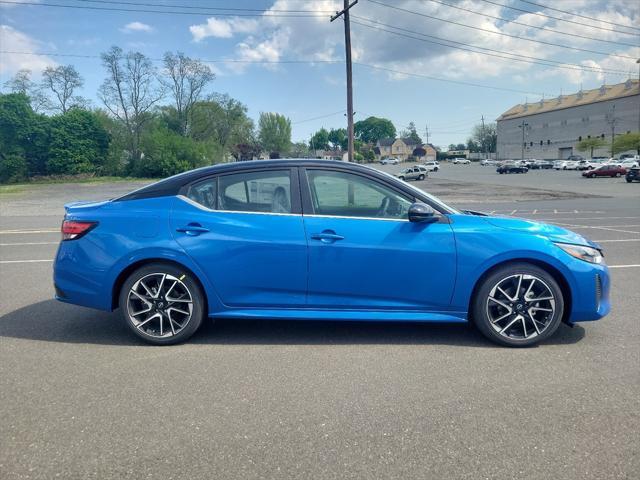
[
  {"x": 633, "y": 174},
  {"x": 389, "y": 161},
  {"x": 541, "y": 165},
  {"x": 431, "y": 166},
  {"x": 628, "y": 163},
  {"x": 488, "y": 162},
  {"x": 630, "y": 156},
  {"x": 317, "y": 249},
  {"x": 461, "y": 161},
  {"x": 605, "y": 171},
  {"x": 583, "y": 165},
  {"x": 575, "y": 158},
  {"x": 566, "y": 165},
  {"x": 512, "y": 167},
  {"x": 417, "y": 172}
]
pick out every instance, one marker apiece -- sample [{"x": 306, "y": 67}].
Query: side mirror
[{"x": 422, "y": 213}]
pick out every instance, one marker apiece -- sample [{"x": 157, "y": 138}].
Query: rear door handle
[
  {"x": 328, "y": 236},
  {"x": 193, "y": 229}
]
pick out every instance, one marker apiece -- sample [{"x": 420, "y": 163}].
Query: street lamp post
[{"x": 523, "y": 125}]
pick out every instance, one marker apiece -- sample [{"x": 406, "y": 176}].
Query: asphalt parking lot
[{"x": 81, "y": 398}]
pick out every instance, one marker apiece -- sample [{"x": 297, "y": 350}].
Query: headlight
[{"x": 588, "y": 254}]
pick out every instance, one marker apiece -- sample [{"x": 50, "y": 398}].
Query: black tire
[
  {"x": 629, "y": 180},
  {"x": 421, "y": 177},
  {"x": 401, "y": 178},
  {"x": 481, "y": 306},
  {"x": 187, "y": 286},
  {"x": 435, "y": 169}
]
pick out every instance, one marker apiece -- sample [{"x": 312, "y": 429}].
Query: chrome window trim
[
  {"x": 206, "y": 209},
  {"x": 357, "y": 218}
]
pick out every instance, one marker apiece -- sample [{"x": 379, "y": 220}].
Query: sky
[{"x": 438, "y": 63}]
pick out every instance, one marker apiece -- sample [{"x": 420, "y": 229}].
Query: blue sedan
[{"x": 320, "y": 240}]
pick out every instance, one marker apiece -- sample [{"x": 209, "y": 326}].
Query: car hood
[{"x": 552, "y": 232}]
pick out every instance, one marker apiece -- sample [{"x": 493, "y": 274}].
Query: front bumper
[{"x": 590, "y": 300}]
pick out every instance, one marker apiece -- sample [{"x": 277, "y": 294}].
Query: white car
[
  {"x": 461, "y": 161},
  {"x": 628, "y": 163},
  {"x": 389, "y": 161},
  {"x": 486, "y": 162},
  {"x": 431, "y": 166},
  {"x": 566, "y": 165}
]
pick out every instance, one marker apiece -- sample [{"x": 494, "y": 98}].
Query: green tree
[
  {"x": 274, "y": 133},
  {"x": 79, "y": 143},
  {"x": 130, "y": 91},
  {"x": 320, "y": 140},
  {"x": 483, "y": 139},
  {"x": 590, "y": 144},
  {"x": 167, "y": 153},
  {"x": 224, "y": 120},
  {"x": 412, "y": 133},
  {"x": 23, "y": 132},
  {"x": 373, "y": 129},
  {"x": 627, "y": 141},
  {"x": 300, "y": 150},
  {"x": 338, "y": 138},
  {"x": 187, "y": 80}
]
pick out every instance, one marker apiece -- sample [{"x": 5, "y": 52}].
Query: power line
[
  {"x": 448, "y": 80},
  {"x": 562, "y": 19},
  {"x": 578, "y": 15},
  {"x": 172, "y": 12},
  {"x": 366, "y": 65},
  {"x": 191, "y": 7},
  {"x": 319, "y": 117},
  {"x": 535, "y": 26},
  {"x": 499, "y": 33},
  {"x": 515, "y": 57}
]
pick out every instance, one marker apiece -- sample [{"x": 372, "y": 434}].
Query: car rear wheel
[
  {"x": 421, "y": 177},
  {"x": 518, "y": 305},
  {"x": 162, "y": 304}
]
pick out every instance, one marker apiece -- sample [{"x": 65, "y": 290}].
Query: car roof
[{"x": 172, "y": 185}]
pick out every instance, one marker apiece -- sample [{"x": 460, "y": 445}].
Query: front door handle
[
  {"x": 193, "y": 229},
  {"x": 327, "y": 236}
]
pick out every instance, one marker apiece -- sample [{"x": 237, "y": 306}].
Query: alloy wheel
[
  {"x": 520, "y": 307},
  {"x": 159, "y": 305}
]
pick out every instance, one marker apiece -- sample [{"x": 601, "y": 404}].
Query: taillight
[{"x": 72, "y": 229}]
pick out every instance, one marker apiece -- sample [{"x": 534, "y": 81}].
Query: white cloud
[
  {"x": 16, "y": 41},
  {"x": 137, "y": 27},
  {"x": 222, "y": 28},
  {"x": 16, "y": 3},
  {"x": 273, "y": 37}
]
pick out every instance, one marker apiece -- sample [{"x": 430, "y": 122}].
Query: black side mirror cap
[{"x": 422, "y": 213}]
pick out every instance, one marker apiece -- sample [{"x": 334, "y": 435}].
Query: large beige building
[{"x": 553, "y": 128}]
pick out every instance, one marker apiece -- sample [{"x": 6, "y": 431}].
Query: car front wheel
[
  {"x": 162, "y": 304},
  {"x": 518, "y": 305}
]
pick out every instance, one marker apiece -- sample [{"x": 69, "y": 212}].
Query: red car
[{"x": 605, "y": 171}]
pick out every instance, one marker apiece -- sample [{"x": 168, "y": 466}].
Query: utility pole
[
  {"x": 638, "y": 62},
  {"x": 523, "y": 126},
  {"x": 612, "y": 122},
  {"x": 347, "y": 44},
  {"x": 426, "y": 133},
  {"x": 484, "y": 139}
]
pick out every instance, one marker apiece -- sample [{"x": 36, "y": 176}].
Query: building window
[
  {"x": 580, "y": 138},
  {"x": 548, "y": 142},
  {"x": 540, "y": 142},
  {"x": 531, "y": 144}
]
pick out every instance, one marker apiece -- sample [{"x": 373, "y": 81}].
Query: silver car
[{"x": 417, "y": 172}]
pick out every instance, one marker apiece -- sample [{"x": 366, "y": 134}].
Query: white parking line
[
  {"x": 622, "y": 240},
  {"x": 624, "y": 266},
  {"x": 25, "y": 261},
  {"x": 27, "y": 243},
  {"x": 15, "y": 232},
  {"x": 596, "y": 228}
]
